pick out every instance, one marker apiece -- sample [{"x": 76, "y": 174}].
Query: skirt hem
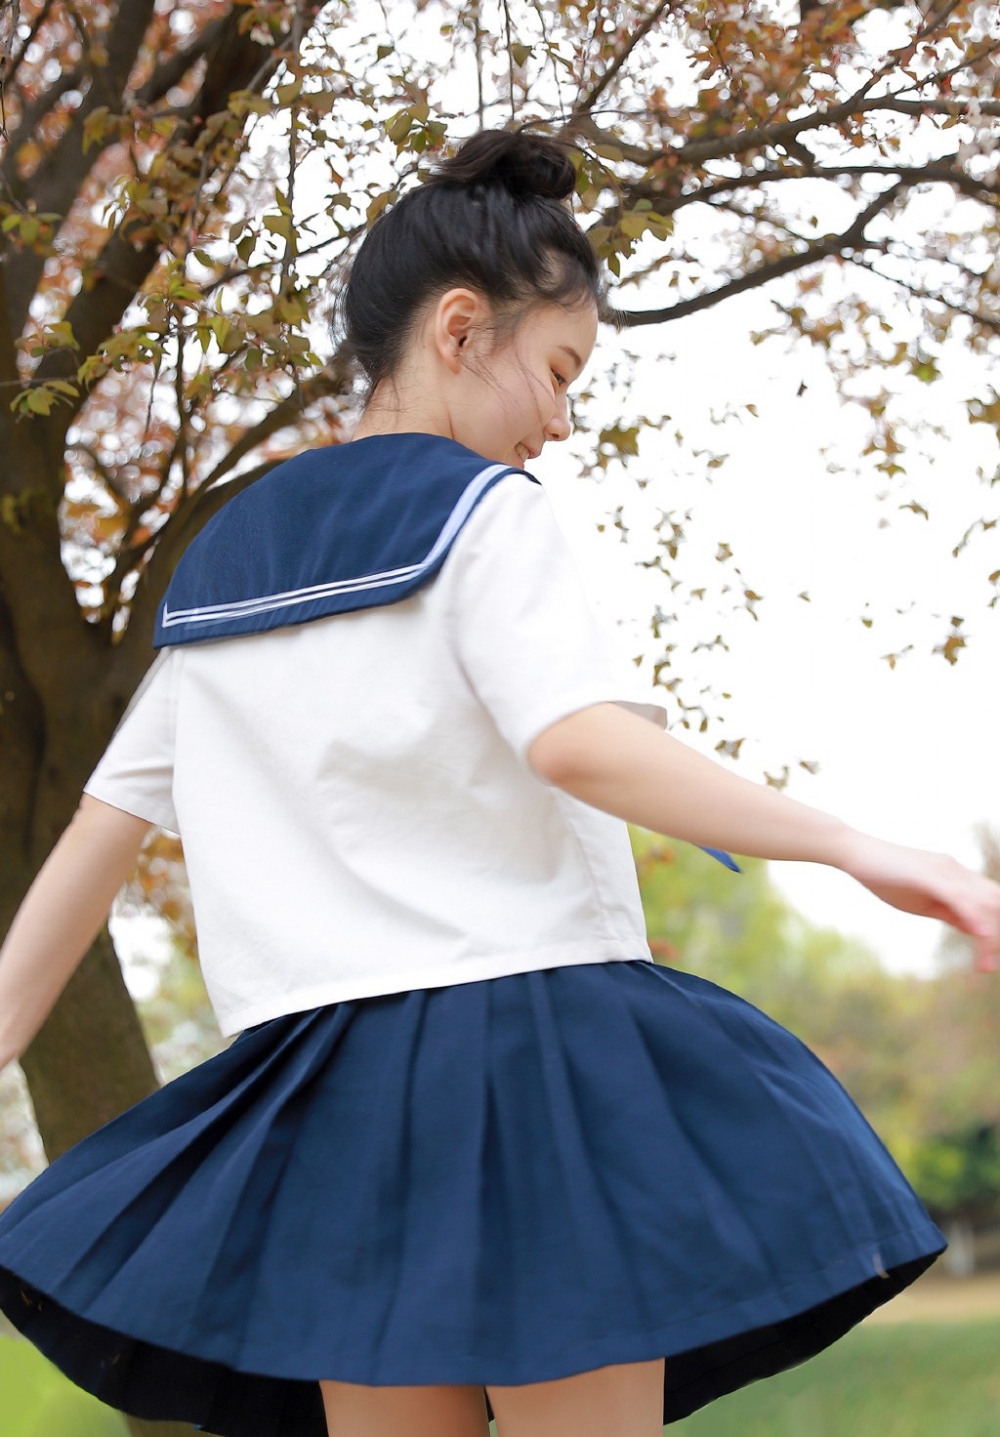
[
  {"x": 769, "y": 1326},
  {"x": 791, "y": 1301}
]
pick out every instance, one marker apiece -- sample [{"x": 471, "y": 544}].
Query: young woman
[{"x": 473, "y": 1152}]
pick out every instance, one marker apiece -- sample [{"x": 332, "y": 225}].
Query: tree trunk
[{"x": 89, "y": 1062}]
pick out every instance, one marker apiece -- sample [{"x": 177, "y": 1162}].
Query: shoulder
[
  {"x": 512, "y": 542},
  {"x": 515, "y": 504}
]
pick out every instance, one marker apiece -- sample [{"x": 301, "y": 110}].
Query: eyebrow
[{"x": 573, "y": 355}]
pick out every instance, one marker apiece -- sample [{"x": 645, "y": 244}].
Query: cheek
[
  {"x": 521, "y": 397},
  {"x": 541, "y": 397}
]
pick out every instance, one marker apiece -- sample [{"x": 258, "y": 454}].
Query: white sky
[{"x": 910, "y": 754}]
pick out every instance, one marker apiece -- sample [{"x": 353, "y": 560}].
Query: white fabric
[{"x": 353, "y": 794}]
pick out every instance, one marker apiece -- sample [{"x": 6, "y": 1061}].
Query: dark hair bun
[
  {"x": 523, "y": 163},
  {"x": 490, "y": 219}
]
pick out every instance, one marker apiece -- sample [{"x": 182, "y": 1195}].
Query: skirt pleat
[{"x": 504, "y": 1181}]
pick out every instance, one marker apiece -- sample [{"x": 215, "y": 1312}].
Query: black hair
[{"x": 492, "y": 217}]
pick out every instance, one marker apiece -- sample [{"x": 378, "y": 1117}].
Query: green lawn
[
  {"x": 37, "y": 1401},
  {"x": 911, "y": 1380}
]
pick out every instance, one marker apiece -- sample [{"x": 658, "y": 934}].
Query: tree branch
[
  {"x": 107, "y": 478},
  {"x": 32, "y": 35},
  {"x": 942, "y": 171},
  {"x": 57, "y": 182},
  {"x": 122, "y": 269},
  {"x": 744, "y": 141},
  {"x": 170, "y": 543},
  {"x": 172, "y": 71},
  {"x": 588, "y": 101},
  {"x": 763, "y": 274},
  {"x": 194, "y": 511},
  {"x": 335, "y": 378},
  {"x": 33, "y": 112}
]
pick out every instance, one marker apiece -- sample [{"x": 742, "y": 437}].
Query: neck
[{"x": 390, "y": 413}]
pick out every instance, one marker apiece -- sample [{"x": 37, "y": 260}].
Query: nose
[{"x": 559, "y": 426}]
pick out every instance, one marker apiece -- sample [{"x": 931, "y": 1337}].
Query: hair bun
[{"x": 523, "y": 163}]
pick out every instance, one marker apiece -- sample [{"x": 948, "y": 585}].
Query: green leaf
[
  {"x": 632, "y": 225},
  {"x": 96, "y": 127},
  {"x": 39, "y": 401},
  {"x": 399, "y": 127},
  {"x": 280, "y": 225},
  {"x": 925, "y": 370}
]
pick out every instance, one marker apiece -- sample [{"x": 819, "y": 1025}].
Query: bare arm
[
  {"x": 61, "y": 915},
  {"x": 623, "y": 764}
]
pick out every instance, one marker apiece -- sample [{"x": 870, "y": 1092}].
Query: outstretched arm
[
  {"x": 621, "y": 763},
  {"x": 61, "y": 915}
]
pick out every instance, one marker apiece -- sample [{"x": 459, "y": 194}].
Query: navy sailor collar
[{"x": 350, "y": 526}]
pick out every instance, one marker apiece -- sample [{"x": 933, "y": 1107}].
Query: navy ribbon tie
[{"x": 723, "y": 857}]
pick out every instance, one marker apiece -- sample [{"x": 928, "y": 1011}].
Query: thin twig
[
  {"x": 29, "y": 39},
  {"x": 988, "y": 321},
  {"x": 585, "y": 105},
  {"x": 6, "y": 58},
  {"x": 477, "y": 45},
  {"x": 510, "y": 57}
]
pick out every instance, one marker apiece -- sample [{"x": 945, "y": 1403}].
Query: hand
[{"x": 932, "y": 885}]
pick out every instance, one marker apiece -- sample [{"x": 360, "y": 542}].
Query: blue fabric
[
  {"x": 350, "y": 526},
  {"x": 724, "y": 858},
  {"x": 504, "y": 1181}
]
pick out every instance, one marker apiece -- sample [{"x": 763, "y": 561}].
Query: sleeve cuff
[{"x": 137, "y": 804}]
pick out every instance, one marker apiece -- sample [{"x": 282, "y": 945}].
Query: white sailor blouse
[{"x": 356, "y": 654}]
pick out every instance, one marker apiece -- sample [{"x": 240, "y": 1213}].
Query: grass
[
  {"x": 914, "y": 1379},
  {"x": 37, "y": 1401}
]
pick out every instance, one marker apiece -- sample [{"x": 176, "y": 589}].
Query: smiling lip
[{"x": 530, "y": 453}]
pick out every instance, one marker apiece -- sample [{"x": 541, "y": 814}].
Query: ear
[{"x": 456, "y": 314}]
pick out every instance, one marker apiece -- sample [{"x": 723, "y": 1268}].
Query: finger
[
  {"x": 987, "y": 949},
  {"x": 981, "y": 927}
]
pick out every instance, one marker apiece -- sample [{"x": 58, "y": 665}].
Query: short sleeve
[
  {"x": 531, "y": 646},
  {"x": 136, "y": 770}
]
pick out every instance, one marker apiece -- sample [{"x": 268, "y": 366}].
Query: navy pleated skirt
[{"x": 503, "y": 1181}]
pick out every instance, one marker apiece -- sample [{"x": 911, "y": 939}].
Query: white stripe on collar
[{"x": 243, "y": 608}]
